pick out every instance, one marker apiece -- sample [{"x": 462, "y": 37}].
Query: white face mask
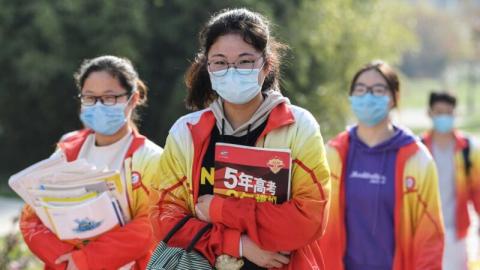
[{"x": 234, "y": 87}]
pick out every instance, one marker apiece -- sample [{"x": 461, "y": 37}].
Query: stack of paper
[{"x": 75, "y": 199}]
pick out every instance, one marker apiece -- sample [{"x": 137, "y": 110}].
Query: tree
[
  {"x": 44, "y": 42},
  {"x": 332, "y": 39}
]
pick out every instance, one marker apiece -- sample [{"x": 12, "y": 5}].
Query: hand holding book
[{"x": 202, "y": 208}]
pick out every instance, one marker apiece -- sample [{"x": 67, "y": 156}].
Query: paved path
[{"x": 9, "y": 208}]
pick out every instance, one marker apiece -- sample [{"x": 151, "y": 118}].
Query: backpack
[
  {"x": 174, "y": 258},
  {"x": 466, "y": 158}
]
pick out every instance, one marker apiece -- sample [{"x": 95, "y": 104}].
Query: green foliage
[
  {"x": 44, "y": 42},
  {"x": 330, "y": 40},
  {"x": 14, "y": 253}
]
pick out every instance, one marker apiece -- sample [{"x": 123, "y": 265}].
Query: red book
[{"x": 252, "y": 172}]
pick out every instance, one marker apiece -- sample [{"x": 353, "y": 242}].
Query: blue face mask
[
  {"x": 369, "y": 109},
  {"x": 443, "y": 123},
  {"x": 106, "y": 120},
  {"x": 235, "y": 87}
]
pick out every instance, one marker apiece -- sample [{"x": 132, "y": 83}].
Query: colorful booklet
[{"x": 252, "y": 172}]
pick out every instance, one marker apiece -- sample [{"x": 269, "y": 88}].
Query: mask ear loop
[
  {"x": 129, "y": 116},
  {"x": 263, "y": 64}
]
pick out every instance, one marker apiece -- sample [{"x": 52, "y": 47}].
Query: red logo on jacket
[
  {"x": 410, "y": 184},
  {"x": 136, "y": 180}
]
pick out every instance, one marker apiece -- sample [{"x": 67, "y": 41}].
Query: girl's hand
[
  {"x": 202, "y": 208},
  {"x": 68, "y": 259},
  {"x": 260, "y": 257}
]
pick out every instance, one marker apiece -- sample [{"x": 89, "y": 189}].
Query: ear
[
  {"x": 429, "y": 112},
  {"x": 134, "y": 100},
  {"x": 264, "y": 72},
  {"x": 397, "y": 99},
  {"x": 267, "y": 67},
  {"x": 392, "y": 101},
  {"x": 391, "y": 104}
]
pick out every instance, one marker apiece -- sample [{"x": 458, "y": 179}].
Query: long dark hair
[
  {"x": 255, "y": 30},
  {"x": 120, "y": 68},
  {"x": 387, "y": 72}
]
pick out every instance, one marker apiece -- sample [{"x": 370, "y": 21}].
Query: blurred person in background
[
  {"x": 458, "y": 163},
  {"x": 385, "y": 208}
]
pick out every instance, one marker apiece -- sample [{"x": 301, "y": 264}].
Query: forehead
[
  {"x": 442, "y": 106},
  {"x": 371, "y": 77},
  {"x": 102, "y": 82},
  {"x": 231, "y": 46}
]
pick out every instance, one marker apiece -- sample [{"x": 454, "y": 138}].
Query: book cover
[
  {"x": 86, "y": 220},
  {"x": 252, "y": 172}
]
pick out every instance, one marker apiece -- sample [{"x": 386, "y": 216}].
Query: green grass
[
  {"x": 414, "y": 92},
  {"x": 14, "y": 253}
]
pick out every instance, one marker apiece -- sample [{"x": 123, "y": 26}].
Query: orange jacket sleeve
[
  {"x": 117, "y": 247},
  {"x": 474, "y": 177},
  {"x": 41, "y": 241},
  {"x": 170, "y": 202}
]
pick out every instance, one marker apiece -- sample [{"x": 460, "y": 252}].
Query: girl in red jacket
[
  {"x": 234, "y": 83},
  {"x": 109, "y": 92}
]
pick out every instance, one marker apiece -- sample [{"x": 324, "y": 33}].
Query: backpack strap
[
  {"x": 176, "y": 228},
  {"x": 197, "y": 237},
  {"x": 466, "y": 157},
  {"x": 179, "y": 225}
]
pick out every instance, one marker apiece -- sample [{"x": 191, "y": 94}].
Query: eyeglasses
[
  {"x": 107, "y": 100},
  {"x": 378, "y": 90},
  {"x": 243, "y": 65}
]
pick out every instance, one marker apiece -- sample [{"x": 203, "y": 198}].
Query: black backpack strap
[
  {"x": 197, "y": 236},
  {"x": 466, "y": 157},
  {"x": 176, "y": 228}
]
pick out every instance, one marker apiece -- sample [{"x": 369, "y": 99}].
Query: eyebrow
[
  {"x": 86, "y": 92},
  {"x": 109, "y": 91},
  {"x": 240, "y": 55},
  {"x": 376, "y": 84},
  {"x": 219, "y": 55},
  {"x": 246, "y": 54}
]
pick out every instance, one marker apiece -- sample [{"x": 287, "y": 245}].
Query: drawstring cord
[
  {"x": 222, "y": 139},
  {"x": 247, "y": 138}
]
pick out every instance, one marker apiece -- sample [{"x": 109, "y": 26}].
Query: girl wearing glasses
[
  {"x": 110, "y": 91},
  {"x": 385, "y": 209},
  {"x": 234, "y": 86}
]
